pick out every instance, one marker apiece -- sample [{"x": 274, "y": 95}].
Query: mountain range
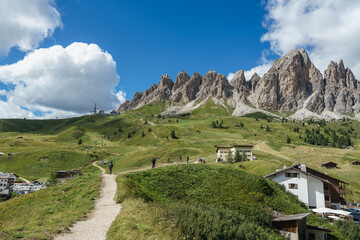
[{"x": 293, "y": 86}]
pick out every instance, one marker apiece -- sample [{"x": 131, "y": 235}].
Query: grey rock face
[
  {"x": 292, "y": 83},
  {"x": 187, "y": 91},
  {"x": 341, "y": 90},
  {"x": 287, "y": 85},
  {"x": 214, "y": 85},
  {"x": 181, "y": 80}
]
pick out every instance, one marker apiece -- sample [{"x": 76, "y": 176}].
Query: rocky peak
[
  {"x": 255, "y": 78},
  {"x": 293, "y": 83},
  {"x": 188, "y": 89},
  {"x": 341, "y": 88},
  {"x": 214, "y": 85},
  {"x": 166, "y": 82},
  {"x": 238, "y": 79},
  {"x": 181, "y": 79},
  {"x": 287, "y": 84}
]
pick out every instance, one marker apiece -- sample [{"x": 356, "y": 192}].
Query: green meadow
[{"x": 132, "y": 139}]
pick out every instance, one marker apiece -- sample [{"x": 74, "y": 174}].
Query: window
[
  {"x": 293, "y": 186},
  {"x": 287, "y": 174}
]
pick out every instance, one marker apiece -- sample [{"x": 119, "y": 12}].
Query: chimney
[
  {"x": 303, "y": 167},
  {"x": 277, "y": 169}
]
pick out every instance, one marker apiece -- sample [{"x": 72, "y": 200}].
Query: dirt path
[
  {"x": 98, "y": 222},
  {"x": 25, "y": 180}
]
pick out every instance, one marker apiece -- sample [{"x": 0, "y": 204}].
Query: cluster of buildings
[
  {"x": 8, "y": 185},
  {"x": 315, "y": 189},
  {"x": 224, "y": 152},
  {"x": 324, "y": 195},
  {"x": 102, "y": 112}
]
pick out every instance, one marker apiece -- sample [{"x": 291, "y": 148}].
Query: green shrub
[{"x": 349, "y": 229}]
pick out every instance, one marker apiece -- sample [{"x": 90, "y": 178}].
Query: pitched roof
[
  {"x": 325, "y": 163},
  {"x": 298, "y": 168},
  {"x": 7, "y": 175},
  {"x": 291, "y": 217},
  {"x": 295, "y": 167},
  {"x": 231, "y": 146}
]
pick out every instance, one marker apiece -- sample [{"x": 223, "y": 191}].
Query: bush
[
  {"x": 80, "y": 141},
  {"x": 198, "y": 221},
  {"x": 349, "y": 229}
]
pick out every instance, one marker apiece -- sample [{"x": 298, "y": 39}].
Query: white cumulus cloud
[
  {"x": 25, "y": 23},
  {"x": 328, "y": 30},
  {"x": 64, "y": 81}
]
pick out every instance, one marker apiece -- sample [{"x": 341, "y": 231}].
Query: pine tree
[
  {"x": 129, "y": 135},
  {"x": 173, "y": 135},
  {"x": 150, "y": 130},
  {"x": 288, "y": 140},
  {"x": 237, "y": 157},
  {"x": 244, "y": 158},
  {"x": 230, "y": 158},
  {"x": 267, "y": 128},
  {"x": 80, "y": 141},
  {"x": 143, "y": 134}
]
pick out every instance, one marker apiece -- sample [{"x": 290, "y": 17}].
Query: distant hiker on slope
[
  {"x": 111, "y": 165},
  {"x": 153, "y": 161},
  {"x": 180, "y": 158},
  {"x": 187, "y": 159}
]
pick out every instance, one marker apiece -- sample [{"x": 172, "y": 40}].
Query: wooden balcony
[
  {"x": 341, "y": 191},
  {"x": 327, "y": 204}
]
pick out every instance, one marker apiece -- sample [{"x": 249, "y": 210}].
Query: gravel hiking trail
[{"x": 98, "y": 222}]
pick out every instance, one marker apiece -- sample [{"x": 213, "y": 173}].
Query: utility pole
[
  {"x": 102, "y": 140},
  {"x": 95, "y": 141}
]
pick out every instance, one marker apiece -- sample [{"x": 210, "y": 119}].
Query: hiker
[
  {"x": 202, "y": 159},
  {"x": 111, "y": 165},
  {"x": 187, "y": 160},
  {"x": 180, "y": 158},
  {"x": 153, "y": 161}
]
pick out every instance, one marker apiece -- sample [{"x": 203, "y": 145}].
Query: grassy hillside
[
  {"x": 132, "y": 139},
  {"x": 202, "y": 202},
  {"x": 49, "y": 211}
]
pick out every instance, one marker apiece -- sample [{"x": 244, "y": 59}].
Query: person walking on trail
[
  {"x": 153, "y": 161},
  {"x": 187, "y": 159},
  {"x": 111, "y": 165},
  {"x": 180, "y": 158}
]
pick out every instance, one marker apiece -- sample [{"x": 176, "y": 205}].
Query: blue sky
[
  {"x": 146, "y": 39},
  {"x": 151, "y": 38}
]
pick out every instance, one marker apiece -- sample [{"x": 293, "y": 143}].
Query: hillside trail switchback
[{"x": 99, "y": 221}]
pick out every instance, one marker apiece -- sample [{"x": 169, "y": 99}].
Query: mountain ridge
[{"x": 293, "y": 84}]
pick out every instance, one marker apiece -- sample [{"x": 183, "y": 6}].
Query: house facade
[
  {"x": 294, "y": 227},
  {"x": 315, "y": 189},
  {"x": 224, "y": 152},
  {"x": 26, "y": 188},
  {"x": 6, "y": 179}
]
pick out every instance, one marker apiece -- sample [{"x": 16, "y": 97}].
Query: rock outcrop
[{"x": 292, "y": 84}]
